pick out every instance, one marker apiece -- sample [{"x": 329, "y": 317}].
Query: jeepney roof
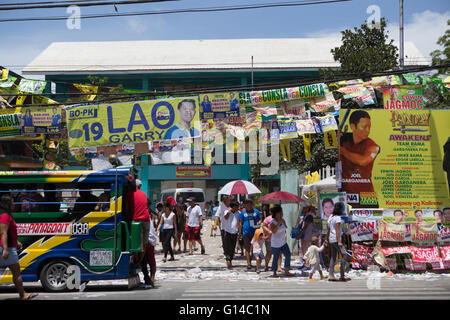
[{"x": 48, "y": 176}]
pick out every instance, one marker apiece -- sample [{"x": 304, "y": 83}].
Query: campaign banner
[
  {"x": 393, "y": 159},
  {"x": 219, "y": 105},
  {"x": 305, "y": 126},
  {"x": 268, "y": 96},
  {"x": 288, "y": 129},
  {"x": 10, "y": 124},
  {"x": 31, "y": 86},
  {"x": 361, "y": 254},
  {"x": 424, "y": 232},
  {"x": 330, "y": 139},
  {"x": 325, "y": 103},
  {"x": 193, "y": 171},
  {"x": 279, "y": 95},
  {"x": 292, "y": 108},
  {"x": 443, "y": 233},
  {"x": 327, "y": 202},
  {"x": 396, "y": 250},
  {"x": 393, "y": 231},
  {"x": 425, "y": 254},
  {"x": 133, "y": 122},
  {"x": 7, "y": 83},
  {"x": 365, "y": 214},
  {"x": 41, "y": 120},
  {"x": 363, "y": 231},
  {"x": 445, "y": 252},
  {"x": 327, "y": 123},
  {"x": 406, "y": 97}
]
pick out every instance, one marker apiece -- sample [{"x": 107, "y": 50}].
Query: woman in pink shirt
[{"x": 9, "y": 245}]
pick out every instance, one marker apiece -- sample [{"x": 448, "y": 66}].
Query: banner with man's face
[
  {"x": 393, "y": 159},
  {"x": 133, "y": 122}
]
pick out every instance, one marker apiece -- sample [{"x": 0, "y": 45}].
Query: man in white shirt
[
  {"x": 224, "y": 206},
  {"x": 230, "y": 225},
  {"x": 194, "y": 221}
]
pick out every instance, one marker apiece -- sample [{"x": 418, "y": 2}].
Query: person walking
[
  {"x": 312, "y": 258},
  {"x": 268, "y": 242},
  {"x": 306, "y": 233},
  {"x": 9, "y": 245},
  {"x": 279, "y": 242},
  {"x": 194, "y": 221},
  {"x": 230, "y": 224},
  {"x": 181, "y": 223},
  {"x": 150, "y": 259},
  {"x": 170, "y": 229},
  {"x": 224, "y": 206},
  {"x": 250, "y": 219},
  {"x": 213, "y": 218},
  {"x": 257, "y": 248},
  {"x": 334, "y": 237},
  {"x": 138, "y": 209}
]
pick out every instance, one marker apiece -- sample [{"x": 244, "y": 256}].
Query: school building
[{"x": 177, "y": 65}]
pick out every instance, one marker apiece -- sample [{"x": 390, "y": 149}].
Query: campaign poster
[
  {"x": 10, "y": 124},
  {"x": 31, "y": 86},
  {"x": 425, "y": 253},
  {"x": 288, "y": 129},
  {"x": 394, "y": 158},
  {"x": 133, "y": 122},
  {"x": 424, "y": 232},
  {"x": 394, "y": 231},
  {"x": 328, "y": 201},
  {"x": 219, "y": 105},
  {"x": 252, "y": 98},
  {"x": 41, "y": 120},
  {"x": 363, "y": 231},
  {"x": 365, "y": 214},
  {"x": 405, "y": 97}
]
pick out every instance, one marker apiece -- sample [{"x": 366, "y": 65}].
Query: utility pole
[
  {"x": 401, "y": 36},
  {"x": 252, "y": 72}
]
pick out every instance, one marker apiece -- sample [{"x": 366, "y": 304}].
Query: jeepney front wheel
[{"x": 54, "y": 276}]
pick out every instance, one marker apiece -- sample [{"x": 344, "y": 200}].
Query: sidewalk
[{"x": 212, "y": 264}]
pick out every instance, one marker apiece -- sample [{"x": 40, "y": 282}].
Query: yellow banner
[
  {"x": 133, "y": 122},
  {"x": 330, "y": 139},
  {"x": 394, "y": 159},
  {"x": 307, "y": 145}
]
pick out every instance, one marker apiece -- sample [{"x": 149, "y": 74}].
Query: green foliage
[
  {"x": 364, "y": 50},
  {"x": 442, "y": 57}
]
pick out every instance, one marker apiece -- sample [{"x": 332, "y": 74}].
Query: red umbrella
[{"x": 280, "y": 197}]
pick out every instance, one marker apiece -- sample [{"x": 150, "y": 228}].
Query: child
[
  {"x": 256, "y": 246},
  {"x": 312, "y": 257}
]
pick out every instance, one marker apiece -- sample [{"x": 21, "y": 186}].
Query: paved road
[{"x": 205, "y": 277}]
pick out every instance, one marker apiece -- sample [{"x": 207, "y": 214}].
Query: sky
[{"x": 424, "y": 23}]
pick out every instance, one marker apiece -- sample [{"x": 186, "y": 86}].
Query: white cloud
[
  {"x": 153, "y": 27},
  {"x": 424, "y": 30}
]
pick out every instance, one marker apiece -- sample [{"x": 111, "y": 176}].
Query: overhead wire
[
  {"x": 63, "y": 4},
  {"x": 177, "y": 11}
]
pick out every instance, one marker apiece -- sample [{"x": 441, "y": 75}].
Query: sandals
[
  {"x": 344, "y": 279},
  {"x": 31, "y": 296}
]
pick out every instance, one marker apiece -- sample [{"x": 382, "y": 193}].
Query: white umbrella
[{"x": 239, "y": 187}]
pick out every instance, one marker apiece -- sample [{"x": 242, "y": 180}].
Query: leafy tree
[
  {"x": 366, "y": 49},
  {"x": 437, "y": 96},
  {"x": 442, "y": 57}
]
